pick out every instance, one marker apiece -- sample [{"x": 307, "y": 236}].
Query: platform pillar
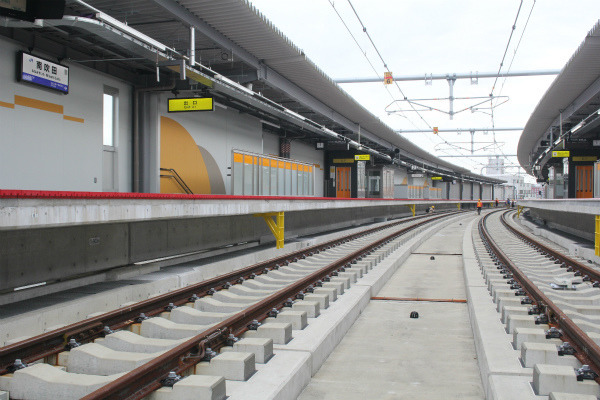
[{"x": 275, "y": 225}]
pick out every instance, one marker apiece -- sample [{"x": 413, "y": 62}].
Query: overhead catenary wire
[
  {"x": 364, "y": 53},
  {"x": 516, "y": 48},
  {"x": 512, "y": 31},
  {"x": 364, "y": 28},
  {"x": 510, "y": 65}
]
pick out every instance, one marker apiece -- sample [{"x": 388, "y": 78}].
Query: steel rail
[
  {"x": 141, "y": 381},
  {"x": 587, "y": 351},
  {"x": 53, "y": 342},
  {"x": 582, "y": 268}
]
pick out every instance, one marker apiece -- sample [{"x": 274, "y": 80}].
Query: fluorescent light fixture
[
  {"x": 135, "y": 33},
  {"x": 577, "y": 127},
  {"x": 330, "y": 132},
  {"x": 295, "y": 114},
  {"x": 234, "y": 84},
  {"x": 270, "y": 124}
]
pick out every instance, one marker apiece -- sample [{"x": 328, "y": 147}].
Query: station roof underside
[
  {"x": 234, "y": 39},
  {"x": 574, "y": 93}
]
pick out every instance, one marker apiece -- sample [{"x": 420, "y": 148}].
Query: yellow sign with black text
[
  {"x": 362, "y": 157},
  {"x": 191, "y": 104},
  {"x": 436, "y": 178},
  {"x": 564, "y": 153}
]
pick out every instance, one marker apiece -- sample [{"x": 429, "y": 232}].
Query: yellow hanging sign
[
  {"x": 564, "y": 153},
  {"x": 191, "y": 104},
  {"x": 362, "y": 157}
]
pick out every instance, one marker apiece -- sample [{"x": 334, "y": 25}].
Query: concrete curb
[
  {"x": 317, "y": 341},
  {"x": 501, "y": 371}
]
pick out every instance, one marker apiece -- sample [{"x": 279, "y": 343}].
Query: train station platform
[
  {"x": 55, "y": 237},
  {"x": 36, "y": 209},
  {"x": 573, "y": 216}
]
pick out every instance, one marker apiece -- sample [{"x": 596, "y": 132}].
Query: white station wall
[{"x": 41, "y": 149}]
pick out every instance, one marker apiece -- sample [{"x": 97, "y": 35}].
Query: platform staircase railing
[{"x": 174, "y": 175}]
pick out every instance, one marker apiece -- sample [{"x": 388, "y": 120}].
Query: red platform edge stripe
[{"x": 48, "y": 194}]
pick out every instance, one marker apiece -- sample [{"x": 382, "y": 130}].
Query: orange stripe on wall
[
  {"x": 74, "y": 119},
  {"x": 39, "y": 104},
  {"x": 7, "y": 105}
]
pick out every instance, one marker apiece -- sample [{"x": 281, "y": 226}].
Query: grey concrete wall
[
  {"x": 487, "y": 192},
  {"x": 270, "y": 144},
  {"x": 454, "y": 191},
  {"x": 581, "y": 225},
  {"x": 41, "y": 150},
  {"x": 467, "y": 188},
  {"x": 49, "y": 254}
]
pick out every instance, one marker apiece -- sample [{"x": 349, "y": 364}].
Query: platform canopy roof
[
  {"x": 234, "y": 40},
  {"x": 575, "y": 93}
]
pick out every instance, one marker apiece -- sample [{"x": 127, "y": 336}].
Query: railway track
[
  {"x": 536, "y": 285},
  {"x": 152, "y": 344}
]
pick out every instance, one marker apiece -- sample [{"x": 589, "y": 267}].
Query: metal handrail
[{"x": 178, "y": 179}]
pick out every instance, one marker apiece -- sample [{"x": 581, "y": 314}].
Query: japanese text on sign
[
  {"x": 191, "y": 104},
  {"x": 44, "y": 73}
]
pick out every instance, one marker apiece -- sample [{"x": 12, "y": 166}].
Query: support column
[{"x": 276, "y": 226}]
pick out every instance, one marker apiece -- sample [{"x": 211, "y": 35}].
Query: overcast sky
[{"x": 418, "y": 37}]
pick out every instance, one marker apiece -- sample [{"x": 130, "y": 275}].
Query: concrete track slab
[{"x": 432, "y": 357}]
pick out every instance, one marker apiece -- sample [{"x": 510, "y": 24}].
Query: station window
[{"x": 109, "y": 105}]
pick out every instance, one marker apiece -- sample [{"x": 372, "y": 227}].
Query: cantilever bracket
[
  {"x": 275, "y": 225},
  {"x": 519, "y": 209},
  {"x": 412, "y": 208}
]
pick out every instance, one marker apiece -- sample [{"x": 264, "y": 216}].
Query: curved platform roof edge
[
  {"x": 243, "y": 24},
  {"x": 572, "y": 88},
  {"x": 308, "y": 76},
  {"x": 236, "y": 24}
]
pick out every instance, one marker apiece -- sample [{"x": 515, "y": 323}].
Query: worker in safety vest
[{"x": 479, "y": 205}]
